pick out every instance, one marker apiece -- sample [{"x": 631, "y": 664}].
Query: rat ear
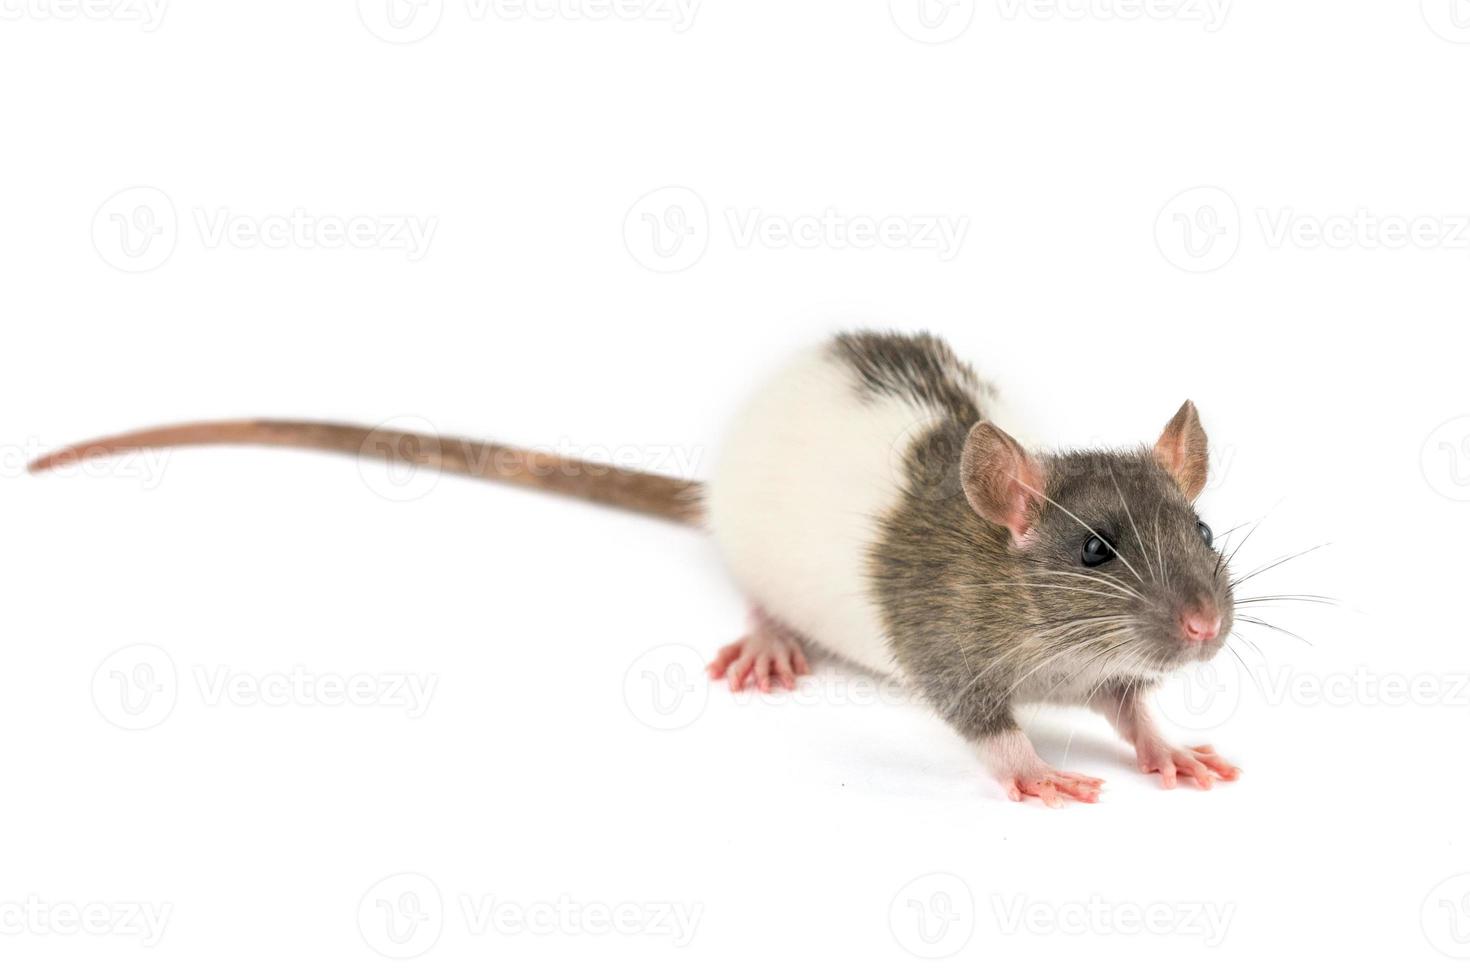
[
  {"x": 1184, "y": 451},
  {"x": 1002, "y": 482}
]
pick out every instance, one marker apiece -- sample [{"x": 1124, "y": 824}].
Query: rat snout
[{"x": 1199, "y": 623}]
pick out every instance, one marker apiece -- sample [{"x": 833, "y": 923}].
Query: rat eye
[
  {"x": 1096, "y": 551},
  {"x": 1206, "y": 533}
]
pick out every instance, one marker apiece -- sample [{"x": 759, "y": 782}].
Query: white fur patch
[{"x": 805, "y": 472}]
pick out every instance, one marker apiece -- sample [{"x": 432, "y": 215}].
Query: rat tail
[{"x": 647, "y": 493}]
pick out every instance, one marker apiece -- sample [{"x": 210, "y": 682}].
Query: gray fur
[
  {"x": 969, "y": 614},
  {"x": 918, "y": 367}
]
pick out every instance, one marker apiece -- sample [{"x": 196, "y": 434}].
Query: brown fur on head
[
  {"x": 1124, "y": 521},
  {"x": 1004, "y": 578}
]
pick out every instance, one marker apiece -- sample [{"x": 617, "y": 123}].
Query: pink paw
[
  {"x": 1053, "y": 788},
  {"x": 763, "y": 653},
  {"x": 1200, "y": 762}
]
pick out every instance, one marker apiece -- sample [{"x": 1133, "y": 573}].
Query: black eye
[
  {"x": 1096, "y": 551},
  {"x": 1206, "y": 533}
]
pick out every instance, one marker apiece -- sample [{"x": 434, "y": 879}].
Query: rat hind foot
[
  {"x": 768, "y": 649},
  {"x": 1053, "y": 787}
]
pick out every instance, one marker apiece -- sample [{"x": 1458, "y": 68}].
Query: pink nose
[{"x": 1199, "y": 627}]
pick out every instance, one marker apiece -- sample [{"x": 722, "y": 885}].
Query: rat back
[{"x": 810, "y": 466}]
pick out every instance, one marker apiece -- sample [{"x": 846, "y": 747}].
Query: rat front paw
[
  {"x": 1199, "y": 762},
  {"x": 1052, "y": 787}
]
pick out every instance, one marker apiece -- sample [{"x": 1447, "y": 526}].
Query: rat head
[{"x": 1109, "y": 548}]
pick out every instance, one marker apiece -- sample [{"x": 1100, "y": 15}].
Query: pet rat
[{"x": 869, "y": 504}]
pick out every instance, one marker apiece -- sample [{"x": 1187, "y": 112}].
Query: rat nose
[{"x": 1199, "y": 625}]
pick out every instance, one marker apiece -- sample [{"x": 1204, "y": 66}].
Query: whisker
[
  {"x": 1163, "y": 573},
  {"x": 1273, "y": 626},
  {"x": 1236, "y": 550},
  {"x": 1323, "y": 600},
  {"x": 1278, "y": 563},
  {"x": 1085, "y": 525},
  {"x": 1098, "y": 580},
  {"x": 1071, "y": 588},
  {"x": 1129, "y": 512}
]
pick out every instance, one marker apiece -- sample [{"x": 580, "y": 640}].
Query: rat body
[{"x": 868, "y": 504}]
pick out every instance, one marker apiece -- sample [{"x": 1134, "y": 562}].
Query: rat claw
[
  {"x": 1218, "y": 766},
  {"x": 740, "y": 673},
  {"x": 798, "y": 661},
  {"x": 763, "y": 673},
  {"x": 724, "y": 659},
  {"x": 783, "y": 670}
]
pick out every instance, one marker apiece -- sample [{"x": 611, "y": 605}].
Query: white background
[{"x": 841, "y": 830}]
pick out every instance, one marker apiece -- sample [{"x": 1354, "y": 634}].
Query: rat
[{"x": 869, "y": 504}]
